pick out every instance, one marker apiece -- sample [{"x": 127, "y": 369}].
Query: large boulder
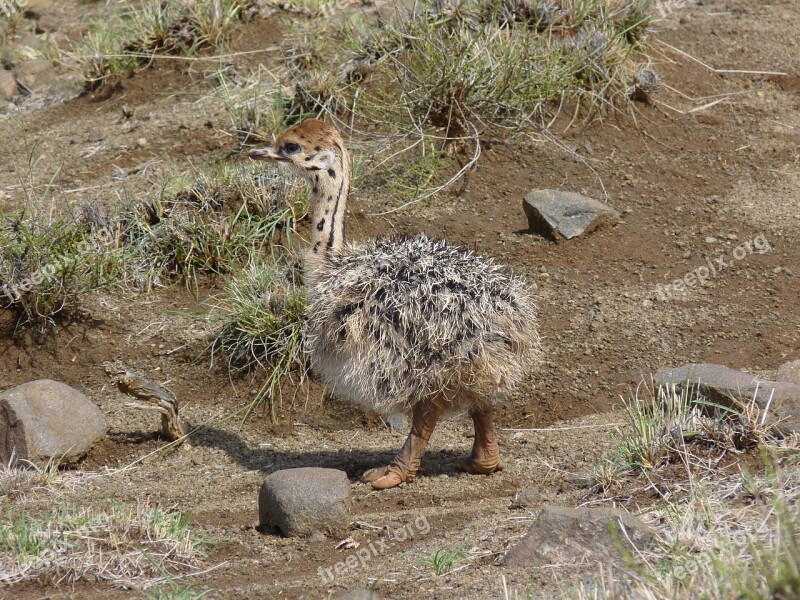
[
  {"x": 731, "y": 388},
  {"x": 301, "y": 501},
  {"x": 576, "y": 536},
  {"x": 44, "y": 419},
  {"x": 565, "y": 215}
]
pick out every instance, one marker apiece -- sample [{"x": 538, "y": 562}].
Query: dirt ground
[{"x": 713, "y": 164}]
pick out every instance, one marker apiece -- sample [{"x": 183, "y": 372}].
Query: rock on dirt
[
  {"x": 565, "y": 215},
  {"x": 790, "y": 372},
  {"x": 8, "y": 85},
  {"x": 569, "y": 536},
  {"x": 301, "y": 501},
  {"x": 44, "y": 419},
  {"x": 730, "y": 388}
]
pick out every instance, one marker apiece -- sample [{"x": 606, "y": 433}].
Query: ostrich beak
[{"x": 268, "y": 154}]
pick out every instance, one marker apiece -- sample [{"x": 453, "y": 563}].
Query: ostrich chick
[{"x": 405, "y": 323}]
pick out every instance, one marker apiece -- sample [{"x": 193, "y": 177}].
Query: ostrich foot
[
  {"x": 475, "y": 466},
  {"x": 485, "y": 456},
  {"x": 405, "y": 465}
]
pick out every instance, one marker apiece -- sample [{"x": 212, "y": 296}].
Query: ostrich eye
[{"x": 290, "y": 148}]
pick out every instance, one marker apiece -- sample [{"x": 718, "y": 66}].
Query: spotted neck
[{"x": 329, "y": 190}]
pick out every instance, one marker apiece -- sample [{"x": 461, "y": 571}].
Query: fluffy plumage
[{"x": 402, "y": 318}]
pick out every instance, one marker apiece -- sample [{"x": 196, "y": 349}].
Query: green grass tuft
[{"x": 262, "y": 315}]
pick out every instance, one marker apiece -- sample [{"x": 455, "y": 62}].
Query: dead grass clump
[
  {"x": 122, "y": 544},
  {"x": 16, "y": 481},
  {"x": 667, "y": 426}
]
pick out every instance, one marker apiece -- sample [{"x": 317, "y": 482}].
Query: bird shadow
[{"x": 352, "y": 462}]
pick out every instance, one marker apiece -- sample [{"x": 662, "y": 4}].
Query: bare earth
[{"x": 684, "y": 171}]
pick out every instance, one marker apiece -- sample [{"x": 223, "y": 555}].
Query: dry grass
[
  {"x": 121, "y": 544},
  {"x": 442, "y": 76},
  {"x": 724, "y": 532},
  {"x": 119, "y": 46},
  {"x": 722, "y": 537},
  {"x": 261, "y": 326}
]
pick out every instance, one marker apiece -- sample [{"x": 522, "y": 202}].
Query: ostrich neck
[{"x": 328, "y": 206}]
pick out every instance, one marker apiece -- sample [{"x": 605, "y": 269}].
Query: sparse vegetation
[
  {"x": 16, "y": 481},
  {"x": 120, "y": 46},
  {"x": 444, "y": 560},
  {"x": 122, "y": 544},
  {"x": 665, "y": 424},
  {"x": 719, "y": 541},
  {"x": 441, "y": 75},
  {"x": 214, "y": 225},
  {"x": 262, "y": 317},
  {"x": 47, "y": 263}
]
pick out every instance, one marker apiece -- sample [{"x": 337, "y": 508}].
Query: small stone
[
  {"x": 44, "y": 419},
  {"x": 732, "y": 237},
  {"x": 302, "y": 501},
  {"x": 567, "y": 536},
  {"x": 565, "y": 215},
  {"x": 47, "y": 24},
  {"x": 530, "y": 497},
  {"x": 317, "y": 536},
  {"x": 36, "y": 8},
  {"x": 36, "y": 74},
  {"x": 711, "y": 240},
  {"x": 141, "y": 143},
  {"x": 583, "y": 478}
]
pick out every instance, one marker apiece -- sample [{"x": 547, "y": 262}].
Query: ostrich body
[{"x": 405, "y": 323}]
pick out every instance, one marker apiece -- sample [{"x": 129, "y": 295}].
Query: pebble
[
  {"x": 141, "y": 142},
  {"x": 711, "y": 240}
]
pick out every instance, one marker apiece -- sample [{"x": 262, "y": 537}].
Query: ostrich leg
[
  {"x": 405, "y": 465},
  {"x": 485, "y": 456}
]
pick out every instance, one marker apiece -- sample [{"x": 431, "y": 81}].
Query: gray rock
[
  {"x": 46, "y": 419},
  {"x": 361, "y": 594},
  {"x": 582, "y": 478},
  {"x": 527, "y": 498},
  {"x": 565, "y": 215},
  {"x": 730, "y": 388},
  {"x": 580, "y": 536},
  {"x": 8, "y": 85},
  {"x": 302, "y": 501},
  {"x": 790, "y": 372}
]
